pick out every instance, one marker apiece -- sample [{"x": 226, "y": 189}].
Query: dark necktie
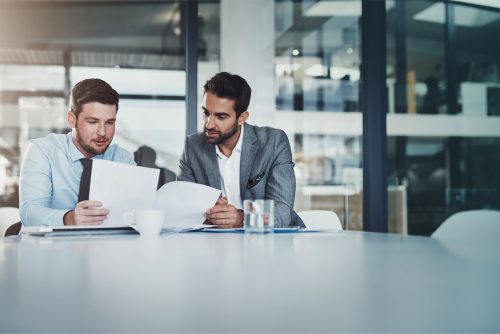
[{"x": 83, "y": 195}]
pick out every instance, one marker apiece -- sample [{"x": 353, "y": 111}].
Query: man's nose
[
  {"x": 209, "y": 123},
  {"x": 100, "y": 130}
]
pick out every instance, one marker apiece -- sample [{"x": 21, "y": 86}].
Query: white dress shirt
[{"x": 229, "y": 168}]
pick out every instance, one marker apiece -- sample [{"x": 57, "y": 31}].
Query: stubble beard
[
  {"x": 223, "y": 137},
  {"x": 89, "y": 149}
]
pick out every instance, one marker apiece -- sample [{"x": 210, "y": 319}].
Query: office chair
[
  {"x": 10, "y": 223},
  {"x": 320, "y": 220},
  {"x": 475, "y": 225}
]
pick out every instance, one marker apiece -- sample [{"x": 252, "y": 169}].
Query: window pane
[
  {"x": 317, "y": 77},
  {"x": 47, "y": 47},
  {"x": 440, "y": 161}
]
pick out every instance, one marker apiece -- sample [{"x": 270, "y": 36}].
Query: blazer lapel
[
  {"x": 248, "y": 153},
  {"x": 211, "y": 166}
]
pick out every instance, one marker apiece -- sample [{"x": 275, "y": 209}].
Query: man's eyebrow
[
  {"x": 90, "y": 118},
  {"x": 220, "y": 113}
]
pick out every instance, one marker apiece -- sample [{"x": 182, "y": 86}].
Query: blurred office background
[{"x": 303, "y": 60}]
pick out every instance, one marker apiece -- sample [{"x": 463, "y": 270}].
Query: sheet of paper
[
  {"x": 185, "y": 203},
  {"x": 181, "y": 229},
  {"x": 122, "y": 188}
]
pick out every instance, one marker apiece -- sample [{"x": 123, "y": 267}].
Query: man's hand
[
  {"x": 224, "y": 215},
  {"x": 86, "y": 213}
]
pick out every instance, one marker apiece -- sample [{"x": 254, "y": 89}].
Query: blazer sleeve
[
  {"x": 186, "y": 172},
  {"x": 281, "y": 182}
]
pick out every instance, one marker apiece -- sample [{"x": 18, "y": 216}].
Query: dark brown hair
[
  {"x": 92, "y": 90},
  {"x": 231, "y": 86}
]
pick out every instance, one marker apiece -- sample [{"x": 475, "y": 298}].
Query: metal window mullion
[
  {"x": 374, "y": 105},
  {"x": 190, "y": 30}
]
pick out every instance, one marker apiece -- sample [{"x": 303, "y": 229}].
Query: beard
[
  {"x": 222, "y": 136},
  {"x": 92, "y": 150}
]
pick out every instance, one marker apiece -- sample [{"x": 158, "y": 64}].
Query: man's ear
[
  {"x": 243, "y": 117},
  {"x": 71, "y": 119}
]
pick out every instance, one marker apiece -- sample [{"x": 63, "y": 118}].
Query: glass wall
[
  {"x": 443, "y": 128},
  {"x": 138, "y": 47},
  {"x": 317, "y": 79},
  {"x": 302, "y": 59}
]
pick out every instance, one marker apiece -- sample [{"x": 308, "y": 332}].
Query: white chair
[
  {"x": 476, "y": 225},
  {"x": 320, "y": 220},
  {"x": 8, "y": 217}
]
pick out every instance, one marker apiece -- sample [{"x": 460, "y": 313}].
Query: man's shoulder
[
  {"x": 119, "y": 154},
  {"x": 196, "y": 140},
  {"x": 50, "y": 142},
  {"x": 266, "y": 134}
]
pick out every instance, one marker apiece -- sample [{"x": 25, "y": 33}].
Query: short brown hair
[{"x": 92, "y": 90}]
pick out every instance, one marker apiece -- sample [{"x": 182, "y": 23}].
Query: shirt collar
[
  {"x": 238, "y": 146},
  {"x": 74, "y": 153}
]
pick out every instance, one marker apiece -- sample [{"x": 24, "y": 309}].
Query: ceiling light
[
  {"x": 337, "y": 73},
  {"x": 486, "y": 3},
  {"x": 339, "y": 8},
  {"x": 315, "y": 70},
  {"x": 464, "y": 16}
]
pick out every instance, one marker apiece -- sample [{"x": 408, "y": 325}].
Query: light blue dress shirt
[{"x": 50, "y": 178}]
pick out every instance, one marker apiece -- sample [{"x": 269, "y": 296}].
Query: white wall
[{"x": 247, "y": 49}]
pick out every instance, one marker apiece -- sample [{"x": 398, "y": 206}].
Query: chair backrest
[
  {"x": 320, "y": 220},
  {"x": 476, "y": 225},
  {"x": 8, "y": 217}
]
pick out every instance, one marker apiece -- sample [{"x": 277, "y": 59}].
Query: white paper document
[
  {"x": 122, "y": 188},
  {"x": 185, "y": 204}
]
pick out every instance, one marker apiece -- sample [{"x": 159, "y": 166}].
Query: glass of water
[{"x": 259, "y": 215}]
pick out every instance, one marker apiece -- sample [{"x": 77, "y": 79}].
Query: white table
[{"x": 207, "y": 282}]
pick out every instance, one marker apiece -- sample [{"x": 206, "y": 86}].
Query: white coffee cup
[{"x": 146, "y": 222}]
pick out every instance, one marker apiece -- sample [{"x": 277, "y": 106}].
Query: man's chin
[
  {"x": 97, "y": 150},
  {"x": 212, "y": 140}
]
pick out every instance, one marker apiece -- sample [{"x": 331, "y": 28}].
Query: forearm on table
[{"x": 38, "y": 215}]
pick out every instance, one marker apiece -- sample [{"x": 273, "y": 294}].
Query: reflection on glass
[
  {"x": 317, "y": 61},
  {"x": 423, "y": 89},
  {"x": 478, "y": 63},
  {"x": 158, "y": 124},
  {"x": 443, "y": 175},
  {"x": 317, "y": 68},
  {"x": 140, "y": 52}
]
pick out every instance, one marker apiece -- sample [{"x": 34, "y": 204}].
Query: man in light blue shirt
[{"x": 52, "y": 167}]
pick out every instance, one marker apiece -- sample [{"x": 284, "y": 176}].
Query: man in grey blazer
[{"x": 244, "y": 161}]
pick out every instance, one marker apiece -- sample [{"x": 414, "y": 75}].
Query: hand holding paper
[
  {"x": 185, "y": 203},
  {"x": 224, "y": 215},
  {"x": 122, "y": 188},
  {"x": 86, "y": 213}
]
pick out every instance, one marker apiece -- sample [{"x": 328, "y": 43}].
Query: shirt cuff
[
  {"x": 56, "y": 218},
  {"x": 64, "y": 216}
]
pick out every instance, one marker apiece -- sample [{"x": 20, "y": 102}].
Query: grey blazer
[{"x": 266, "y": 169}]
